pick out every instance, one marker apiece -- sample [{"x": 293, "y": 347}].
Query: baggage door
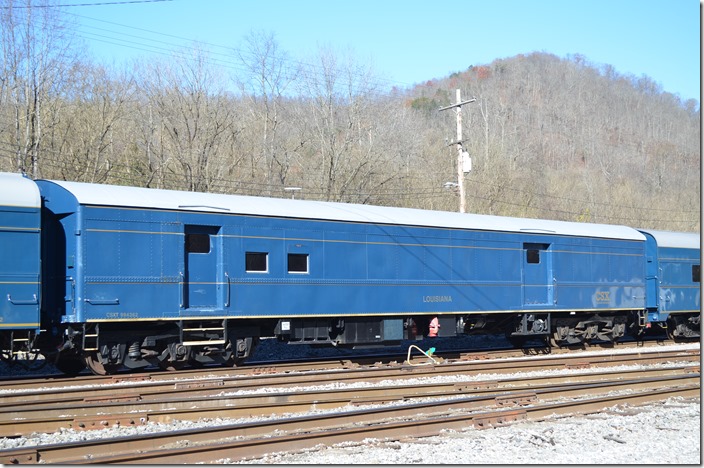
[
  {"x": 203, "y": 254},
  {"x": 652, "y": 274},
  {"x": 538, "y": 282}
]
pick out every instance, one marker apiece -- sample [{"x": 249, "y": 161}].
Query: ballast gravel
[
  {"x": 664, "y": 433},
  {"x": 667, "y": 432}
]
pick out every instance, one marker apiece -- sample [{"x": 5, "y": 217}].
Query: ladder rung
[{"x": 203, "y": 343}]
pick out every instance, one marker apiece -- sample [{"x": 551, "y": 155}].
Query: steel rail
[
  {"x": 417, "y": 427},
  {"x": 154, "y": 448},
  {"x": 298, "y": 365},
  {"x": 45, "y": 418},
  {"x": 139, "y": 384}
]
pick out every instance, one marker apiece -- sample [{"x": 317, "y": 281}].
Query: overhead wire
[
  {"x": 313, "y": 193},
  {"x": 83, "y": 4},
  {"x": 183, "y": 42},
  {"x": 171, "y": 49},
  {"x": 186, "y": 48}
]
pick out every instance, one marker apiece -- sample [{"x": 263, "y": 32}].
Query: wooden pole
[
  {"x": 460, "y": 150},
  {"x": 460, "y": 173}
]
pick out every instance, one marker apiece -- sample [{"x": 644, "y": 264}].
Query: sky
[{"x": 411, "y": 41}]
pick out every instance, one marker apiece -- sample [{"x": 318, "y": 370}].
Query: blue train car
[
  {"x": 20, "y": 235},
  {"x": 141, "y": 276},
  {"x": 674, "y": 281}
]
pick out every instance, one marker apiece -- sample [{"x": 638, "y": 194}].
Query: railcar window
[
  {"x": 533, "y": 256},
  {"x": 256, "y": 262},
  {"x": 197, "y": 243},
  {"x": 696, "y": 273},
  {"x": 533, "y": 251},
  {"x": 297, "y": 263}
]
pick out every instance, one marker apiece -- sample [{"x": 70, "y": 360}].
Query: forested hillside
[{"x": 550, "y": 137}]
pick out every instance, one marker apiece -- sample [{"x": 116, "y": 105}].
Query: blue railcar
[
  {"x": 204, "y": 275},
  {"x": 19, "y": 263},
  {"x": 674, "y": 281},
  {"x": 137, "y": 277}
]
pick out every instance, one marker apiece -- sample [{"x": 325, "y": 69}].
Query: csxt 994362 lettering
[{"x": 113, "y": 277}]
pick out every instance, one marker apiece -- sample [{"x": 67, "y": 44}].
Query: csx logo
[{"x": 603, "y": 296}]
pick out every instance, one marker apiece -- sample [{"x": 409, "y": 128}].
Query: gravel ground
[
  {"x": 664, "y": 433},
  {"x": 667, "y": 432}
]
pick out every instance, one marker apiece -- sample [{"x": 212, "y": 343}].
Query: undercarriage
[{"x": 105, "y": 348}]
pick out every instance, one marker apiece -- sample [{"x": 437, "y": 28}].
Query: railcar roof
[
  {"x": 681, "y": 240},
  {"x": 17, "y": 190},
  {"x": 113, "y": 195}
]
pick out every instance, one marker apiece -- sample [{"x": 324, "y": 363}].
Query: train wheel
[
  {"x": 92, "y": 360},
  {"x": 174, "y": 357},
  {"x": 195, "y": 363},
  {"x": 234, "y": 362},
  {"x": 171, "y": 366},
  {"x": 570, "y": 343},
  {"x": 70, "y": 363},
  {"x": 243, "y": 348}
]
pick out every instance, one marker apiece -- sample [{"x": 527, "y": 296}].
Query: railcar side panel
[
  {"x": 20, "y": 244},
  {"x": 439, "y": 271},
  {"x": 599, "y": 274},
  {"x": 680, "y": 284},
  {"x": 143, "y": 264},
  {"x": 675, "y": 273}
]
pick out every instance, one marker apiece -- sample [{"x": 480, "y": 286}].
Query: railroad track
[
  {"x": 23, "y": 420},
  {"x": 399, "y": 401},
  {"x": 242, "y": 441},
  {"x": 143, "y": 386},
  {"x": 299, "y": 365},
  {"x": 92, "y": 383}
]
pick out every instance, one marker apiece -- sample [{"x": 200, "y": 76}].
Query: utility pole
[{"x": 464, "y": 162}]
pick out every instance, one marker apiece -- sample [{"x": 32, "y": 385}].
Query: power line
[
  {"x": 293, "y": 63},
  {"x": 314, "y": 193},
  {"x": 181, "y": 47},
  {"x": 61, "y": 5}
]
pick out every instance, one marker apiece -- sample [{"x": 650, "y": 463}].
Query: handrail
[
  {"x": 182, "y": 285},
  {"x": 32, "y": 301},
  {"x": 227, "y": 291}
]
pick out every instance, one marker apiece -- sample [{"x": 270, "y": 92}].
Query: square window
[
  {"x": 297, "y": 263},
  {"x": 533, "y": 251},
  {"x": 256, "y": 262},
  {"x": 198, "y": 243},
  {"x": 533, "y": 256},
  {"x": 697, "y": 273}
]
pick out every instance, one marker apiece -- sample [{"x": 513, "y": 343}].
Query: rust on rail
[
  {"x": 500, "y": 418},
  {"x": 19, "y": 457},
  {"x": 130, "y": 378},
  {"x": 516, "y": 399},
  {"x": 477, "y": 385},
  {"x": 199, "y": 384},
  {"x": 89, "y": 423},
  {"x": 578, "y": 365},
  {"x": 114, "y": 399}
]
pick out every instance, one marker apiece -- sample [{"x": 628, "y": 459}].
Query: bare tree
[
  {"x": 187, "y": 105},
  {"x": 35, "y": 57},
  {"x": 346, "y": 125},
  {"x": 84, "y": 138},
  {"x": 267, "y": 79}
]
